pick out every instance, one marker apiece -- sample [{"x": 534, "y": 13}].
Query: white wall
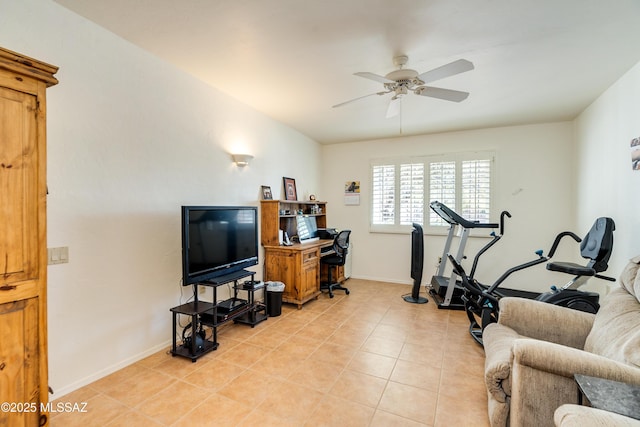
[
  {"x": 534, "y": 170},
  {"x": 131, "y": 139},
  {"x": 607, "y": 186}
]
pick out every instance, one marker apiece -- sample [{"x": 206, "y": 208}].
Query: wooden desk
[{"x": 298, "y": 267}]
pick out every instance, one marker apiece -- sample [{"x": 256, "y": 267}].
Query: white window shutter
[
  {"x": 442, "y": 187},
  {"x": 383, "y": 197},
  {"x": 411, "y": 193},
  {"x": 476, "y": 190},
  {"x": 401, "y": 190}
]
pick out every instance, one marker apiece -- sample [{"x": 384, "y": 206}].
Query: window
[
  {"x": 383, "y": 197},
  {"x": 403, "y": 188}
]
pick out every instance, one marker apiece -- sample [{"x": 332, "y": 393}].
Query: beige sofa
[{"x": 535, "y": 349}]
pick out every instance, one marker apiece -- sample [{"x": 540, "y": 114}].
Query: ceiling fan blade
[
  {"x": 360, "y": 97},
  {"x": 446, "y": 94},
  {"x": 450, "y": 69},
  {"x": 375, "y": 77},
  {"x": 394, "y": 107}
]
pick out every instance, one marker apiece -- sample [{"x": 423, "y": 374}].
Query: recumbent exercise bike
[{"x": 481, "y": 301}]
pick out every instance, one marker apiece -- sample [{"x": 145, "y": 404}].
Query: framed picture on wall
[
  {"x": 352, "y": 193},
  {"x": 290, "y": 192},
  {"x": 266, "y": 193},
  {"x": 635, "y": 154}
]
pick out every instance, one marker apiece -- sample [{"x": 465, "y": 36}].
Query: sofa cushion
[
  {"x": 616, "y": 329},
  {"x": 630, "y": 277}
]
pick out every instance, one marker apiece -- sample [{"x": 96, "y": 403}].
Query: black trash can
[{"x": 274, "y": 298}]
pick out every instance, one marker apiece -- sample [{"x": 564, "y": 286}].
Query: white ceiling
[{"x": 535, "y": 60}]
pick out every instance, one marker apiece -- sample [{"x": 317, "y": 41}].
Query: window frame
[{"x": 426, "y": 160}]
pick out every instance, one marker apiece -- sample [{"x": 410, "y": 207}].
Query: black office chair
[{"x": 341, "y": 248}]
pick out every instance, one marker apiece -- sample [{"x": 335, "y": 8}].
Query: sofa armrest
[
  {"x": 569, "y": 415},
  {"x": 548, "y": 322},
  {"x": 498, "y": 340},
  {"x": 567, "y": 361}
]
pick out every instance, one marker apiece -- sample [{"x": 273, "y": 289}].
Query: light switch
[{"x": 58, "y": 255}]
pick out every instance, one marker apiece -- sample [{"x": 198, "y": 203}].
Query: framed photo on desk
[
  {"x": 290, "y": 192},
  {"x": 266, "y": 193}
]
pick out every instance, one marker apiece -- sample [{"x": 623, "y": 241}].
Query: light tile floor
[{"x": 367, "y": 359}]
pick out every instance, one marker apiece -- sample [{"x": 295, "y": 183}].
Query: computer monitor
[{"x": 307, "y": 228}]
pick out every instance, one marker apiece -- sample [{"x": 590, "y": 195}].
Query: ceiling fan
[{"x": 403, "y": 80}]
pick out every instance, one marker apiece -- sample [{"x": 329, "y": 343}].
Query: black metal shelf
[
  {"x": 183, "y": 351},
  {"x": 205, "y": 313}
]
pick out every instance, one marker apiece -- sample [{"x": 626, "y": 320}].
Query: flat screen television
[{"x": 217, "y": 240}]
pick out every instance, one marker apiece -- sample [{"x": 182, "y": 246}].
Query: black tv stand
[{"x": 214, "y": 314}]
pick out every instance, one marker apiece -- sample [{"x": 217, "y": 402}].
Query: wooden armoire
[{"x": 23, "y": 239}]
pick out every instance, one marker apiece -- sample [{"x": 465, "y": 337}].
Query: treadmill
[{"x": 447, "y": 291}]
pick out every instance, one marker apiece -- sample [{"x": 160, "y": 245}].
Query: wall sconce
[{"x": 241, "y": 160}]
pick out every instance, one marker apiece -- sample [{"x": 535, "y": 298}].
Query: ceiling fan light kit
[{"x": 404, "y": 80}]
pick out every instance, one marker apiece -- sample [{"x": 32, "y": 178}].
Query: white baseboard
[
  {"x": 58, "y": 393},
  {"x": 386, "y": 280}
]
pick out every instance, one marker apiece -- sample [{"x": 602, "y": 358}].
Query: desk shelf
[{"x": 280, "y": 215}]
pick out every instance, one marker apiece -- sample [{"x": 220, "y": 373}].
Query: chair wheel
[
  {"x": 330, "y": 295},
  {"x": 347, "y": 292}
]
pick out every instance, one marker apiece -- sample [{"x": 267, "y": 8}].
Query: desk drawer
[{"x": 310, "y": 256}]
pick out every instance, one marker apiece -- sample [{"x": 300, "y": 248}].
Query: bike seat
[{"x": 571, "y": 268}]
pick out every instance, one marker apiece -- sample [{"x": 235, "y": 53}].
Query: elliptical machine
[
  {"x": 481, "y": 301},
  {"x": 447, "y": 291}
]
